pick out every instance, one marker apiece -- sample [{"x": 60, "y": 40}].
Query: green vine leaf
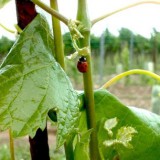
[
  {"x": 147, "y": 125},
  {"x": 123, "y": 136},
  {"x": 143, "y": 135},
  {"x": 32, "y": 83}
]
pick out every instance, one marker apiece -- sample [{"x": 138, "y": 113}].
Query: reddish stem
[
  {"x": 25, "y": 12},
  {"x": 39, "y": 148}
]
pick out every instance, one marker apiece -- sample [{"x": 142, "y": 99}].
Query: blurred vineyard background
[
  {"x": 111, "y": 55},
  {"x": 115, "y": 54}
]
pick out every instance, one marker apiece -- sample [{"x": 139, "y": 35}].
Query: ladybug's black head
[{"x": 82, "y": 59}]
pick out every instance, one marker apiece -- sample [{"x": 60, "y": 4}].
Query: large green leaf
[
  {"x": 144, "y": 144},
  {"x": 32, "y": 83}
]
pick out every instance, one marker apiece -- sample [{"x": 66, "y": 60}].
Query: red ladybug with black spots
[{"x": 82, "y": 65}]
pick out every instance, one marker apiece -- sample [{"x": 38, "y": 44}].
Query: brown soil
[{"x": 138, "y": 96}]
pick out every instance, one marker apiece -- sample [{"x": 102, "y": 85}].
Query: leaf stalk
[
  {"x": 51, "y": 11},
  {"x": 58, "y": 39}
]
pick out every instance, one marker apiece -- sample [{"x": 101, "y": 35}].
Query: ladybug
[{"x": 82, "y": 65}]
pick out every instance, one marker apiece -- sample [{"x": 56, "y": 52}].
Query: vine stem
[
  {"x": 51, "y": 11},
  {"x": 127, "y": 73},
  {"x": 83, "y": 17},
  {"x": 11, "y": 141},
  {"x": 58, "y": 39},
  {"x": 39, "y": 148},
  {"x": 59, "y": 56},
  {"x": 124, "y": 8}
]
